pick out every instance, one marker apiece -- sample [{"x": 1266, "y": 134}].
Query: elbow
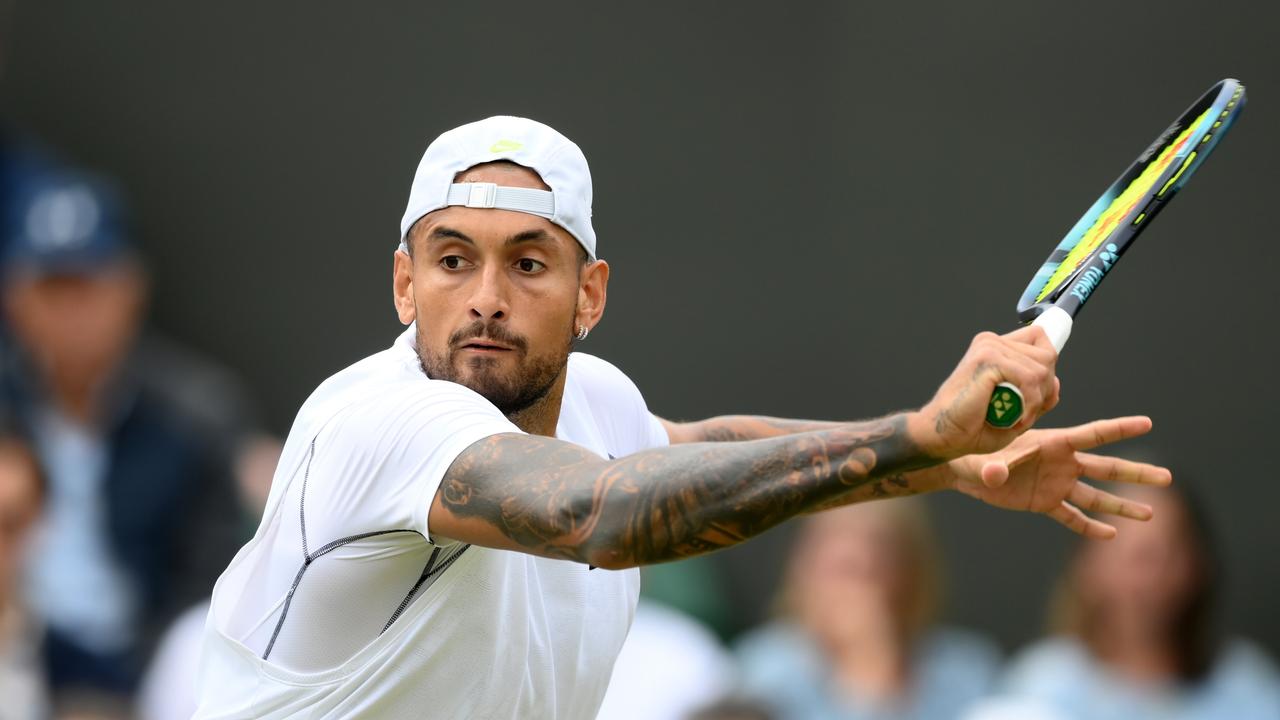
[
  {"x": 590, "y": 536},
  {"x": 606, "y": 549},
  {"x": 610, "y": 558}
]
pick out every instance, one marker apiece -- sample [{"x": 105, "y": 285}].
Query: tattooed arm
[
  {"x": 737, "y": 428},
  {"x": 551, "y": 498},
  {"x": 730, "y": 428}
]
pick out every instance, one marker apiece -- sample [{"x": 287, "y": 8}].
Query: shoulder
[
  {"x": 385, "y": 383},
  {"x": 600, "y": 393},
  {"x": 776, "y": 647},
  {"x": 957, "y": 647},
  {"x": 599, "y": 375},
  {"x": 386, "y": 397},
  {"x": 1048, "y": 665},
  {"x": 957, "y": 664},
  {"x": 1245, "y": 669}
]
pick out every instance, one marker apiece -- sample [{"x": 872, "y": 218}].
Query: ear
[
  {"x": 592, "y": 292},
  {"x": 402, "y": 287}
]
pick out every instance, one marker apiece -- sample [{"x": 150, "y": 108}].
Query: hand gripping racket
[{"x": 1094, "y": 245}]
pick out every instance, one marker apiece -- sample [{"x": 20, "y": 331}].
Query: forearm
[
  {"x": 675, "y": 502},
  {"x": 736, "y": 428}
]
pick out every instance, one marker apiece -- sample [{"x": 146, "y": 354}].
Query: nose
[{"x": 489, "y": 296}]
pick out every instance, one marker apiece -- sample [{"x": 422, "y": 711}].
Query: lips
[{"x": 485, "y": 345}]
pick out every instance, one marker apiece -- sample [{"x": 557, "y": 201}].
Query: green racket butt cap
[{"x": 1005, "y": 408}]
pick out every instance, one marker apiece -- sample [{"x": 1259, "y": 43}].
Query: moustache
[{"x": 491, "y": 331}]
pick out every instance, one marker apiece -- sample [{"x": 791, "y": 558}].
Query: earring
[{"x": 582, "y": 332}]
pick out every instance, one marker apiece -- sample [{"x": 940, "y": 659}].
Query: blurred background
[{"x": 809, "y": 209}]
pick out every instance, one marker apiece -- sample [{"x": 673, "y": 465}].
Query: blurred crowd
[{"x": 132, "y": 468}]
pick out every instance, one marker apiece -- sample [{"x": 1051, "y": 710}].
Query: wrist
[
  {"x": 923, "y": 434},
  {"x": 932, "y": 479}
]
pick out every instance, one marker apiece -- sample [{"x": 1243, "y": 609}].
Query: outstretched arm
[
  {"x": 733, "y": 428},
  {"x": 1040, "y": 472},
  {"x": 737, "y": 428},
  {"x": 546, "y": 497}
]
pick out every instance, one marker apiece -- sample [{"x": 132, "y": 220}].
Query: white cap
[{"x": 556, "y": 159}]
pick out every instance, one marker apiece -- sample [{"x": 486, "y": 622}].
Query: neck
[
  {"x": 542, "y": 417},
  {"x": 77, "y": 401}
]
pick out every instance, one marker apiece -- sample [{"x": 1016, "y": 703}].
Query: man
[
  {"x": 134, "y": 436},
  {"x": 454, "y": 525}
]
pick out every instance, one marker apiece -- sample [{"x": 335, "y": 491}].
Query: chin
[{"x": 484, "y": 377}]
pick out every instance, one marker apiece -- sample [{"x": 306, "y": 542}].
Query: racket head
[{"x": 1094, "y": 244}]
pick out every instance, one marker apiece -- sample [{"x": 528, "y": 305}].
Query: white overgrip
[{"x": 1056, "y": 323}]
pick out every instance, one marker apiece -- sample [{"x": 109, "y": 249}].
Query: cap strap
[{"x": 492, "y": 195}]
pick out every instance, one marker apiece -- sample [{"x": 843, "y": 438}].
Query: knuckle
[{"x": 984, "y": 339}]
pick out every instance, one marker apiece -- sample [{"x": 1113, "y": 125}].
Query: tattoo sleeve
[
  {"x": 547, "y": 497},
  {"x": 736, "y": 428},
  {"x": 730, "y": 428}
]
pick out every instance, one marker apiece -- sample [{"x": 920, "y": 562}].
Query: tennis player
[{"x": 455, "y": 525}]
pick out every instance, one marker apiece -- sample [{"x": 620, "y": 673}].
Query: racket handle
[{"x": 1005, "y": 408}]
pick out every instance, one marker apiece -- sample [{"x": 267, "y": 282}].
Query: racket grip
[{"x": 1004, "y": 409}]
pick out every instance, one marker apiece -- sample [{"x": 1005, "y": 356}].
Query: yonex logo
[
  {"x": 505, "y": 146},
  {"x": 1002, "y": 403},
  {"x": 1109, "y": 256},
  {"x": 1090, "y": 278}
]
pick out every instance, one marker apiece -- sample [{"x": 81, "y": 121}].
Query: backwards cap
[{"x": 554, "y": 157}]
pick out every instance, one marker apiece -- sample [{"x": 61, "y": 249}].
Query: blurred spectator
[
  {"x": 137, "y": 439},
  {"x": 857, "y": 639},
  {"x": 21, "y": 495},
  {"x": 168, "y": 689},
  {"x": 22, "y": 164},
  {"x": 669, "y": 665},
  {"x": 1136, "y": 621}
]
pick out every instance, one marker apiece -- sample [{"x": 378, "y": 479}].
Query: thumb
[{"x": 994, "y": 473}]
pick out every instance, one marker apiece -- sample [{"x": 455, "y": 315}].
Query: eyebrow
[{"x": 446, "y": 233}]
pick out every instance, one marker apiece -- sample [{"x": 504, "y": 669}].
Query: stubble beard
[{"x": 511, "y": 392}]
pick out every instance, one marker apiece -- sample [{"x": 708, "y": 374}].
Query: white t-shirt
[{"x": 380, "y": 622}]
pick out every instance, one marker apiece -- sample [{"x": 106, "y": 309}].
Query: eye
[
  {"x": 453, "y": 262},
  {"x": 529, "y": 265}
]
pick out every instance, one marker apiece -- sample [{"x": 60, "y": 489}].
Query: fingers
[
  {"x": 1076, "y": 521},
  {"x": 994, "y": 473},
  {"x": 1112, "y": 469},
  {"x": 1030, "y": 374},
  {"x": 1052, "y": 401},
  {"x": 1091, "y": 499},
  {"x": 1033, "y": 335},
  {"x": 1101, "y": 432},
  {"x": 954, "y": 421}
]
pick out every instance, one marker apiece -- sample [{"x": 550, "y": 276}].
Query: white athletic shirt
[{"x": 379, "y": 622}]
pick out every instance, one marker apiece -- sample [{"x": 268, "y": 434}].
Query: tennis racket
[{"x": 1092, "y": 247}]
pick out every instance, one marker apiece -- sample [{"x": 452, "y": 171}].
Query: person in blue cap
[{"x": 136, "y": 438}]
